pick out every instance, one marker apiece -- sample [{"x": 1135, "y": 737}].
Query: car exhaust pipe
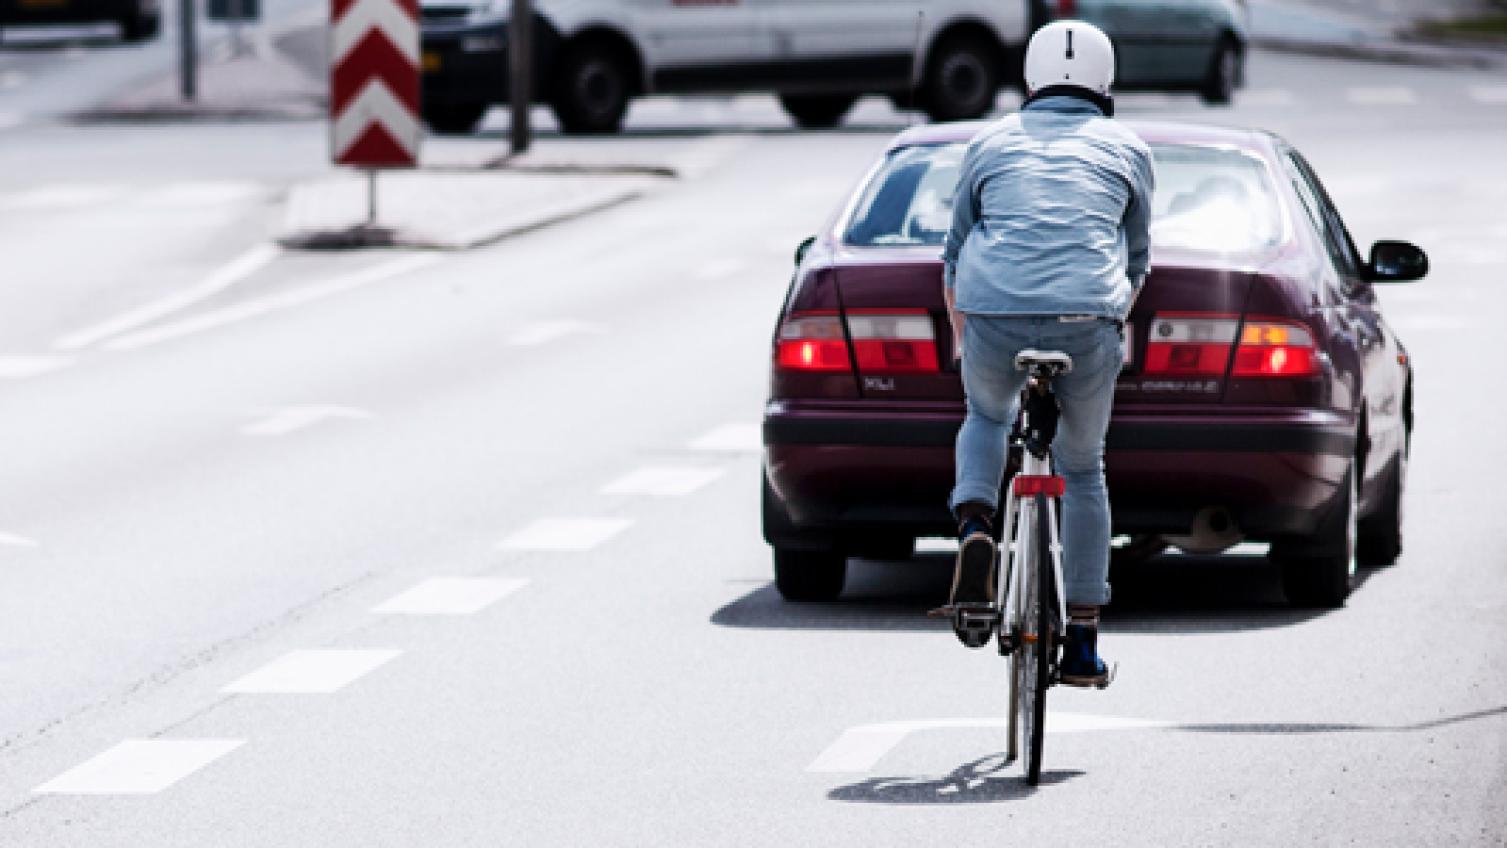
[{"x": 1213, "y": 531}]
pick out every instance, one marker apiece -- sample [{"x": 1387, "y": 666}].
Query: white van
[{"x": 591, "y": 57}]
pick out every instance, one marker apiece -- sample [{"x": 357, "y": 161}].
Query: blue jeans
[{"x": 1085, "y": 396}]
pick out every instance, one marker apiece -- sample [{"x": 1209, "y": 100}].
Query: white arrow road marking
[
  {"x": 139, "y": 767},
  {"x": 859, "y": 749},
  {"x": 1495, "y": 95},
  {"x": 14, "y": 541},
  {"x": 548, "y": 331},
  {"x": 274, "y": 303},
  {"x": 232, "y": 272},
  {"x": 21, "y": 367},
  {"x": 294, "y": 418},
  {"x": 565, "y": 534},
  {"x": 1385, "y": 95},
  {"x": 732, "y": 438},
  {"x": 311, "y": 672},
  {"x": 662, "y": 482},
  {"x": 451, "y": 596}
]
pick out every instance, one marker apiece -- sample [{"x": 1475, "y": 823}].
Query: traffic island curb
[
  {"x": 443, "y": 210},
  {"x": 1390, "y": 52}
]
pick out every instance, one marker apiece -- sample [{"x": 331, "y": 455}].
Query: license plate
[{"x": 431, "y": 62}]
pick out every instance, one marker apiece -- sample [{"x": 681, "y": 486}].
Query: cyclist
[{"x": 1049, "y": 245}]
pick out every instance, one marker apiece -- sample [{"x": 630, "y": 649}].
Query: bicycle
[{"x": 1029, "y": 614}]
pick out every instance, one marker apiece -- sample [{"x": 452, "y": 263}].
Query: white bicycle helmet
[{"x": 1074, "y": 53}]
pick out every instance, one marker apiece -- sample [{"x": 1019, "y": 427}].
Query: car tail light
[
  {"x": 1067, "y": 8},
  {"x": 1190, "y": 345},
  {"x": 1271, "y": 348},
  {"x": 812, "y": 341},
  {"x": 893, "y": 342}
]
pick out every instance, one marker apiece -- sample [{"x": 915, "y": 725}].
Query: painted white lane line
[
  {"x": 1495, "y": 95},
  {"x": 21, "y": 367},
  {"x": 1275, "y": 97},
  {"x": 1381, "y": 95},
  {"x": 199, "y": 195},
  {"x": 718, "y": 269},
  {"x": 227, "y": 275},
  {"x": 662, "y": 481},
  {"x": 450, "y": 596},
  {"x": 732, "y": 438},
  {"x": 859, "y": 749},
  {"x": 291, "y": 419},
  {"x": 311, "y": 672},
  {"x": 545, "y": 332},
  {"x": 565, "y": 534},
  {"x": 139, "y": 767},
  {"x": 61, "y": 196},
  {"x": 274, "y": 303},
  {"x": 13, "y": 540}
]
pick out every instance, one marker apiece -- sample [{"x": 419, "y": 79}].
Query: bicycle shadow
[
  {"x": 982, "y": 781},
  {"x": 1170, "y": 593}
]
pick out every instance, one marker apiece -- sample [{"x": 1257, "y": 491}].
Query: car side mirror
[
  {"x": 1397, "y": 262},
  {"x": 803, "y": 249}
]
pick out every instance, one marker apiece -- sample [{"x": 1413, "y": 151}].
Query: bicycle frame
[{"x": 1019, "y": 517}]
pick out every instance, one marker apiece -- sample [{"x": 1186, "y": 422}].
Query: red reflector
[{"x": 1029, "y": 486}]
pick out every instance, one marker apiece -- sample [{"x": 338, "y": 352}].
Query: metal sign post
[
  {"x": 188, "y": 54},
  {"x": 521, "y": 72}
]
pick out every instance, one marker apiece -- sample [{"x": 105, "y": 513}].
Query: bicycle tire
[
  {"x": 1045, "y": 642},
  {"x": 1028, "y": 655}
]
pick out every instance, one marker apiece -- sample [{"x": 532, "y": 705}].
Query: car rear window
[{"x": 1207, "y": 198}]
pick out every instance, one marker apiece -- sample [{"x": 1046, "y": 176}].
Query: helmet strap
[{"x": 1105, "y": 102}]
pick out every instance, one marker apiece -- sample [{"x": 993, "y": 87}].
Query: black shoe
[
  {"x": 1081, "y": 665},
  {"x": 974, "y": 617}
]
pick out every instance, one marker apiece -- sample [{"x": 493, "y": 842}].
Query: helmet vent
[{"x": 1070, "y": 44}]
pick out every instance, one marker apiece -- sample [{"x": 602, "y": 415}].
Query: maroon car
[{"x": 1263, "y": 397}]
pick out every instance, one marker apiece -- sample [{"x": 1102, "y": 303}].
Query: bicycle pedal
[
  {"x": 974, "y": 625},
  {"x": 1114, "y": 668}
]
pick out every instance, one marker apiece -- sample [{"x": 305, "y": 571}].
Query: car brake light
[
  {"x": 893, "y": 342},
  {"x": 1190, "y": 345},
  {"x": 812, "y": 341},
  {"x": 1028, "y": 485},
  {"x": 1275, "y": 349}
]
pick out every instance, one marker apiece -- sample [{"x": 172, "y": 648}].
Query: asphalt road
[{"x": 220, "y": 528}]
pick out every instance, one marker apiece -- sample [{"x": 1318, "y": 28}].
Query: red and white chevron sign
[{"x": 374, "y": 86}]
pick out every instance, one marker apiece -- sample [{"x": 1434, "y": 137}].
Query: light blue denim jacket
[{"x": 1052, "y": 215}]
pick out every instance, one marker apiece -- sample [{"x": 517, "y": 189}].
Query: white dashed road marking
[
  {"x": 451, "y": 596},
  {"x": 294, "y": 418},
  {"x": 311, "y": 672},
  {"x": 662, "y": 482},
  {"x": 548, "y": 331},
  {"x": 139, "y": 767},
  {"x": 732, "y": 438},
  {"x": 11, "y": 540},
  {"x": 1495, "y": 95},
  {"x": 1393, "y": 95},
  {"x": 565, "y": 534},
  {"x": 861, "y": 748},
  {"x": 21, "y": 367},
  {"x": 226, "y": 276},
  {"x": 257, "y": 308}
]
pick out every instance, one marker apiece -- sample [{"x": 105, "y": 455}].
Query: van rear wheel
[{"x": 961, "y": 81}]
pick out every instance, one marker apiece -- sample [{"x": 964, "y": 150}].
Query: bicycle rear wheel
[
  {"x": 1043, "y": 645},
  {"x": 1029, "y": 655}
]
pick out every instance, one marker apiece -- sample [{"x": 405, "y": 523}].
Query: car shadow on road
[
  {"x": 984, "y": 780},
  {"x": 1168, "y": 593}
]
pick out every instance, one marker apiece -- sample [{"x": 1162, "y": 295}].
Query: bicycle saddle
[{"x": 1050, "y": 362}]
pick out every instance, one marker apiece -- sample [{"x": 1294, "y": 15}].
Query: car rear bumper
[{"x": 835, "y": 469}]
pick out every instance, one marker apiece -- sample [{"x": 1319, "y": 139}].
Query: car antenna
[{"x": 915, "y": 71}]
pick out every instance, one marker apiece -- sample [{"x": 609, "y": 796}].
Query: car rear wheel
[
  {"x": 817, "y": 111},
  {"x": 455, "y": 119},
  {"x": 1379, "y": 539},
  {"x": 591, "y": 90},
  {"x": 962, "y": 79},
  {"x": 809, "y": 575},
  {"x": 1320, "y": 571},
  {"x": 1223, "y": 75}
]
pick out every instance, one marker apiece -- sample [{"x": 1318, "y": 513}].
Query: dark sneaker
[
  {"x": 973, "y": 578},
  {"x": 1081, "y": 665}
]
